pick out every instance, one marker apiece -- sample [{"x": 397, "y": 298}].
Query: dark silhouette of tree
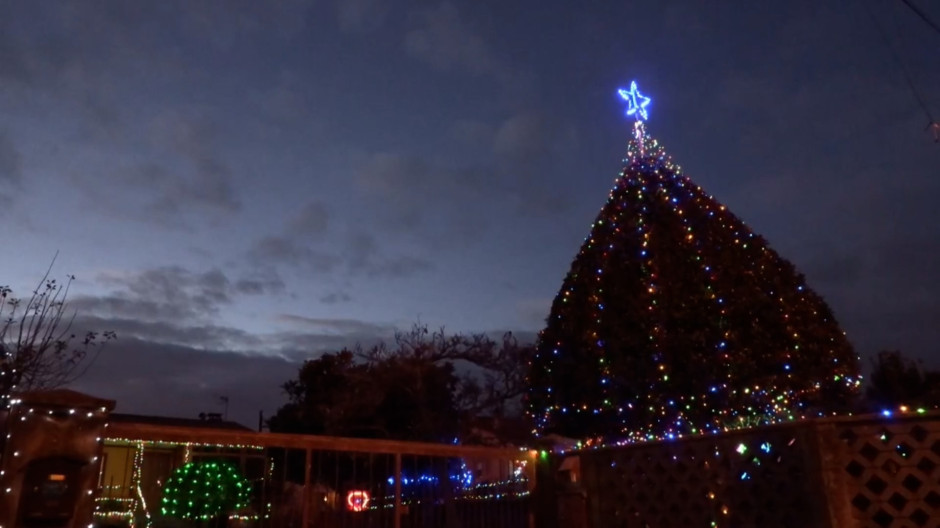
[
  {"x": 422, "y": 386},
  {"x": 897, "y": 380},
  {"x": 38, "y": 349}
]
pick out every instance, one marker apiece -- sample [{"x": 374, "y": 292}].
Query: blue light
[
  {"x": 886, "y": 412},
  {"x": 636, "y": 102}
]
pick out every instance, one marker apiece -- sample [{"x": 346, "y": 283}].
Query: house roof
[
  {"x": 63, "y": 398},
  {"x": 177, "y": 422}
]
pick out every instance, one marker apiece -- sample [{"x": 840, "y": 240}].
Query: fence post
[
  {"x": 306, "y": 511},
  {"x": 829, "y": 449},
  {"x": 397, "y": 522}
]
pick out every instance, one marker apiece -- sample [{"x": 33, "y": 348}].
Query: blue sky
[{"x": 238, "y": 185}]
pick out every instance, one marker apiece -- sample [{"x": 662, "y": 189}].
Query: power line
[
  {"x": 902, "y": 66},
  {"x": 923, "y": 16}
]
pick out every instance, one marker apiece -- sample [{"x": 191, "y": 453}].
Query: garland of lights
[
  {"x": 204, "y": 490},
  {"x": 16, "y": 411},
  {"x": 139, "y": 502}
]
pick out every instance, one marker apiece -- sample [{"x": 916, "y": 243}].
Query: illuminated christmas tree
[{"x": 676, "y": 319}]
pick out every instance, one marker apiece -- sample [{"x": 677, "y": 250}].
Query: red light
[{"x": 357, "y": 500}]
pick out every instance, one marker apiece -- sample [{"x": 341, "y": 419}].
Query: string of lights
[{"x": 204, "y": 490}]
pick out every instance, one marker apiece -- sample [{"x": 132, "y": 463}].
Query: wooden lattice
[
  {"x": 755, "y": 479},
  {"x": 857, "y": 472},
  {"x": 891, "y": 472}
]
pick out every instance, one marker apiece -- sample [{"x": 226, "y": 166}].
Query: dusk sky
[{"x": 239, "y": 185}]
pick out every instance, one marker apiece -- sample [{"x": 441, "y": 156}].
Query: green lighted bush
[{"x": 204, "y": 490}]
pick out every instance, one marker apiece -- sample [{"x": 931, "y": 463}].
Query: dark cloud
[
  {"x": 171, "y": 294},
  {"x": 362, "y": 256},
  {"x": 474, "y": 135},
  {"x": 208, "y": 182},
  {"x": 188, "y": 380},
  {"x": 187, "y": 180},
  {"x": 336, "y": 298},
  {"x": 340, "y": 326},
  {"x": 312, "y": 219},
  {"x": 357, "y": 254},
  {"x": 528, "y": 147},
  {"x": 276, "y": 250},
  {"x": 190, "y": 367},
  {"x": 439, "y": 202},
  {"x": 523, "y": 137},
  {"x": 178, "y": 331},
  {"x": 268, "y": 282},
  {"x": 413, "y": 193},
  {"x": 442, "y": 39},
  {"x": 307, "y": 336},
  {"x": 361, "y": 15},
  {"x": 227, "y": 23}
]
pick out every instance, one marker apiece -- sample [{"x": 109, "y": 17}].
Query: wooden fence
[
  {"x": 315, "y": 481},
  {"x": 864, "y": 472}
]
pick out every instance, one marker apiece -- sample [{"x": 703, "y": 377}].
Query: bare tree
[
  {"x": 491, "y": 377},
  {"x": 38, "y": 348}
]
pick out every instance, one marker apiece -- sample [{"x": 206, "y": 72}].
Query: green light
[{"x": 221, "y": 487}]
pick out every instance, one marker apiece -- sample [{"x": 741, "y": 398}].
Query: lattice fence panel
[
  {"x": 760, "y": 478},
  {"x": 892, "y": 471}
]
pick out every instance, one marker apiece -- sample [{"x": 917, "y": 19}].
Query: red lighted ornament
[{"x": 357, "y": 500}]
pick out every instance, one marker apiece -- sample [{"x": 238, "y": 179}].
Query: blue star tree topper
[{"x": 636, "y": 102}]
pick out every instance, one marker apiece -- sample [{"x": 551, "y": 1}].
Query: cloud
[
  {"x": 208, "y": 182},
  {"x": 190, "y": 367},
  {"x": 357, "y": 256},
  {"x": 268, "y": 282},
  {"x": 225, "y": 24},
  {"x": 174, "y": 331},
  {"x": 444, "y": 41},
  {"x": 171, "y": 294},
  {"x": 277, "y": 249},
  {"x": 181, "y": 179},
  {"x": 414, "y": 192},
  {"x": 336, "y": 298},
  {"x": 187, "y": 380},
  {"x": 358, "y": 252},
  {"x": 438, "y": 200},
  {"x": 342, "y": 326},
  {"x": 312, "y": 219},
  {"x": 362, "y": 255},
  {"x": 522, "y": 137},
  {"x": 473, "y": 134},
  {"x": 527, "y": 147},
  {"x": 361, "y": 15}
]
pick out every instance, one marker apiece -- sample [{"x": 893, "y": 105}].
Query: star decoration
[{"x": 636, "y": 102}]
